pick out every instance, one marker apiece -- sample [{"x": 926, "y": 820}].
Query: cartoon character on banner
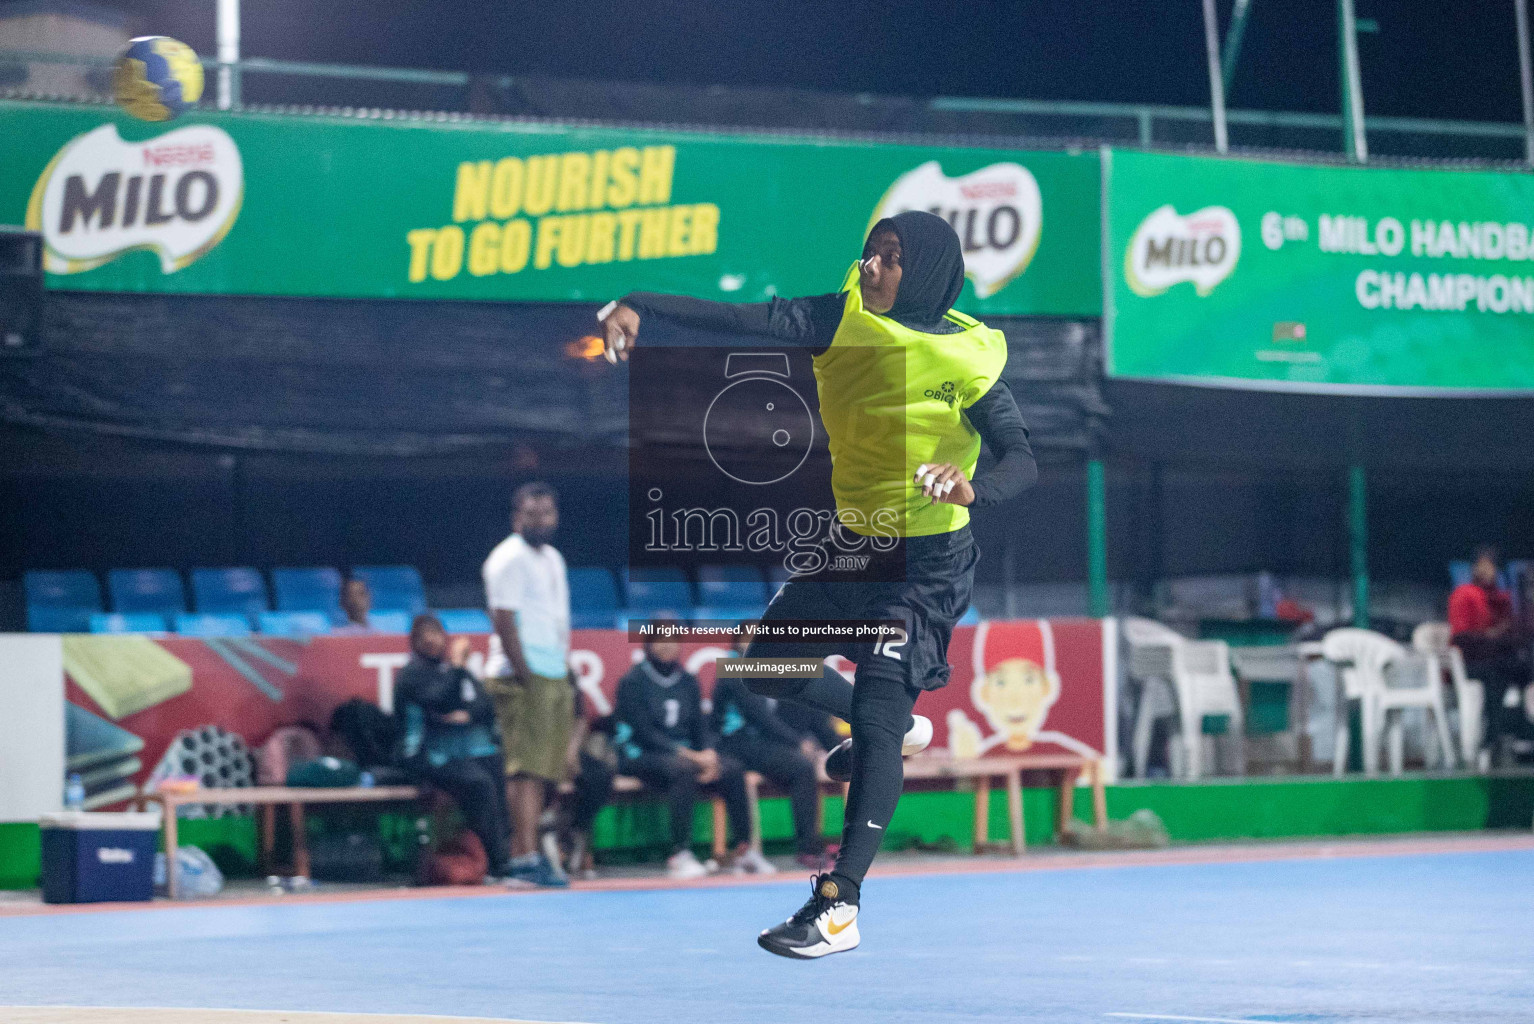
[{"x": 1015, "y": 684}]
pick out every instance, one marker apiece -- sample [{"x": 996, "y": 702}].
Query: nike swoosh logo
[
  {"x": 832, "y": 928},
  {"x": 879, "y": 827}
]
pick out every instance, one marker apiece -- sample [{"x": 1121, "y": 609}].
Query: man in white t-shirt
[{"x": 528, "y": 672}]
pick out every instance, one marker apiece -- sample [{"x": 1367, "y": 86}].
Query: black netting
[{"x": 396, "y": 378}]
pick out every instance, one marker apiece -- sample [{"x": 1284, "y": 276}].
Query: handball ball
[{"x": 157, "y": 78}]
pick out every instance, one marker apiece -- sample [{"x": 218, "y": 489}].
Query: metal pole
[
  {"x": 1097, "y": 540},
  {"x": 1216, "y": 84},
  {"x": 1358, "y": 542},
  {"x": 228, "y": 53},
  {"x": 1233, "y": 36},
  {"x": 1352, "y": 85},
  {"x": 1525, "y": 78}
]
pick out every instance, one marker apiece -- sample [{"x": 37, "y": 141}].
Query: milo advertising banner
[
  {"x": 125, "y": 712},
  {"x": 1350, "y": 279},
  {"x": 272, "y": 204}
]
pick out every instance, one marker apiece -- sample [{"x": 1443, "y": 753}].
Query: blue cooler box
[{"x": 94, "y": 857}]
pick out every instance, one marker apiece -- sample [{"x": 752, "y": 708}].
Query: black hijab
[{"x": 931, "y": 268}]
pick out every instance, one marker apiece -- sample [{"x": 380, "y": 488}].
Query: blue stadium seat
[
  {"x": 293, "y": 624},
  {"x": 308, "y": 590},
  {"x": 1518, "y": 577},
  {"x": 464, "y": 620},
  {"x": 61, "y": 601},
  {"x": 389, "y": 621},
  {"x": 592, "y": 590},
  {"x": 147, "y": 590},
  {"x": 729, "y": 612},
  {"x": 1459, "y": 574},
  {"x": 394, "y": 587},
  {"x": 136, "y": 622},
  {"x": 602, "y": 619},
  {"x": 658, "y": 590},
  {"x": 731, "y": 584},
  {"x": 66, "y": 588},
  {"x": 212, "y": 624},
  {"x": 238, "y": 591},
  {"x": 58, "y": 620}
]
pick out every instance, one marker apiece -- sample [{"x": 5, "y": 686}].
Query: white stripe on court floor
[
  {"x": 1172, "y": 1016},
  {"x": 185, "y": 1015}
]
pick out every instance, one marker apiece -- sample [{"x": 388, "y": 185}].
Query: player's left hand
[{"x": 945, "y": 482}]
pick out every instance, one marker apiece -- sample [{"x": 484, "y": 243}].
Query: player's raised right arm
[{"x": 806, "y": 322}]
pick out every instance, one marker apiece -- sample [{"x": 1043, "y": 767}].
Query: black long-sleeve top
[
  {"x": 425, "y": 692},
  {"x": 811, "y": 323},
  {"x": 659, "y": 709},
  {"x": 739, "y": 712}
]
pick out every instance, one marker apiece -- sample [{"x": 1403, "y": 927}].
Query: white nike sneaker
[
  {"x": 753, "y": 863},
  {"x": 917, "y": 738},
  {"x": 682, "y": 865},
  {"x": 825, "y": 924}
]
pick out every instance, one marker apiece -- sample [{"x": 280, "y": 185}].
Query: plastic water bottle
[
  {"x": 74, "y": 793},
  {"x": 366, "y": 780}
]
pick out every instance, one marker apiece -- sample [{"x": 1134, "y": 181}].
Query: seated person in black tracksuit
[
  {"x": 810, "y": 723},
  {"x": 449, "y": 737},
  {"x": 752, "y": 731},
  {"x": 593, "y": 787},
  {"x": 663, "y": 738}
]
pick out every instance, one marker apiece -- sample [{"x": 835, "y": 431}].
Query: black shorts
[{"x": 928, "y": 590}]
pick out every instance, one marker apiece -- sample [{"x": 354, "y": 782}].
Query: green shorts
[{"x": 536, "y": 719}]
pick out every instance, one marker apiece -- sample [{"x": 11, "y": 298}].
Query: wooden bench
[
  {"x": 267, "y": 799},
  {"x": 981, "y": 771}
]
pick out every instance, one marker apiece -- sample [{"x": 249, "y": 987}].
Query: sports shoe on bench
[
  {"x": 917, "y": 737},
  {"x": 827, "y": 923}
]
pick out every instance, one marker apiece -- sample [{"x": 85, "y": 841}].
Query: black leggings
[
  {"x": 593, "y": 788},
  {"x": 478, "y": 786},
  {"x": 788, "y": 768},
  {"x": 879, "y": 710},
  {"x": 677, "y": 778}
]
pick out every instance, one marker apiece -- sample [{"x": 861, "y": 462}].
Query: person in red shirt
[{"x": 1496, "y": 650}]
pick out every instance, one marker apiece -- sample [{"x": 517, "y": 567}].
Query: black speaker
[{"x": 21, "y": 289}]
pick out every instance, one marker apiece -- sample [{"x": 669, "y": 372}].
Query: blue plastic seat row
[
  {"x": 287, "y": 624},
  {"x": 63, "y": 601},
  {"x": 594, "y": 589}
]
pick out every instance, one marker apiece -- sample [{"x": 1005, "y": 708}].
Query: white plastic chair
[
  {"x": 1432, "y": 638},
  {"x": 1197, "y": 674},
  {"x": 1383, "y": 676}
]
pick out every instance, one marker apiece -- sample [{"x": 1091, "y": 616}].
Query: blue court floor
[{"x": 1444, "y": 938}]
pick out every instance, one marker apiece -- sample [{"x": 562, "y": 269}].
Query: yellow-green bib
[{"x": 892, "y": 398}]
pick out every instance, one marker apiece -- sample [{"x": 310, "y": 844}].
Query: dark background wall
[{"x": 128, "y": 442}]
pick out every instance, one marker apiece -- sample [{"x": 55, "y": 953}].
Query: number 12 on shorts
[{"x": 890, "y": 647}]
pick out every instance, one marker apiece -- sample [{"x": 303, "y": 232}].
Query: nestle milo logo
[
  {"x": 997, "y": 212},
  {"x": 176, "y": 195},
  {"x": 1169, "y": 248}
]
